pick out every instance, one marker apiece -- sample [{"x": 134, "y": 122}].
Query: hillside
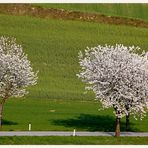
[{"x": 53, "y": 45}]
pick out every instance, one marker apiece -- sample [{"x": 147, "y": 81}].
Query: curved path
[
  {"x": 28, "y": 9},
  {"x": 62, "y": 133}
]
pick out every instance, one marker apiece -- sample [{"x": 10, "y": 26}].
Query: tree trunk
[
  {"x": 117, "y": 132},
  {"x": 127, "y": 122},
  {"x": 1, "y": 110}
]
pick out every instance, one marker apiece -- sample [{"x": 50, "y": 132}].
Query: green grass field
[
  {"x": 62, "y": 115},
  {"x": 52, "y": 46},
  {"x": 138, "y": 11},
  {"x": 74, "y": 140}
]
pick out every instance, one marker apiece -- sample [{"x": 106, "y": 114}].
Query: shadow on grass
[
  {"x": 92, "y": 123},
  {"x": 6, "y": 122}
]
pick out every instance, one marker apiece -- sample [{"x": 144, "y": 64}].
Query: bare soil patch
[{"x": 28, "y": 9}]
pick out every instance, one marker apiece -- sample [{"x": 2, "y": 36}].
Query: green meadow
[
  {"x": 138, "y": 11},
  {"x": 62, "y": 115},
  {"x": 58, "y": 101}
]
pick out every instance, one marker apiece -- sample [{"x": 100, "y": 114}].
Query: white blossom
[
  {"x": 118, "y": 76},
  {"x": 16, "y": 72}
]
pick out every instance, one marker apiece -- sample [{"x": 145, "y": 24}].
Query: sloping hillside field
[{"x": 58, "y": 101}]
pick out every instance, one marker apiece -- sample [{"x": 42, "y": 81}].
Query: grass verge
[{"x": 74, "y": 140}]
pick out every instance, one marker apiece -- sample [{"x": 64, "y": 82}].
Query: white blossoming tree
[
  {"x": 15, "y": 71},
  {"x": 118, "y": 77}
]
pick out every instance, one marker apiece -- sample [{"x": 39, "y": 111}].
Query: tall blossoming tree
[
  {"x": 118, "y": 77},
  {"x": 16, "y": 73}
]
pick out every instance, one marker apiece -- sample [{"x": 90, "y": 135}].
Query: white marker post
[
  {"x": 74, "y": 132},
  {"x": 29, "y": 126}
]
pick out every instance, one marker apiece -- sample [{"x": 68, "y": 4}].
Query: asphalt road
[{"x": 60, "y": 133}]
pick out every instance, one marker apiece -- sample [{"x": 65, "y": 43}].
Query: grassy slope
[
  {"x": 75, "y": 140},
  {"x": 139, "y": 11},
  {"x": 52, "y": 46}
]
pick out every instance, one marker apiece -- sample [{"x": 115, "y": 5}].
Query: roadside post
[
  {"x": 29, "y": 126},
  {"x": 74, "y": 132}
]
